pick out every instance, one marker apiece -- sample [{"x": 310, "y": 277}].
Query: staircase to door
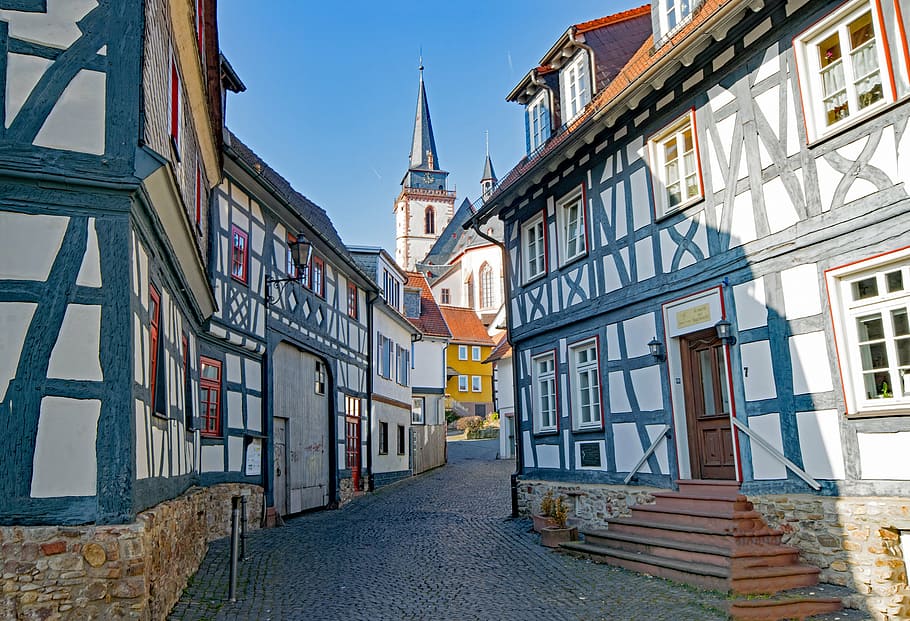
[{"x": 708, "y": 534}]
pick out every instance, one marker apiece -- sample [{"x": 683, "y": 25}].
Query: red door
[{"x": 352, "y": 447}]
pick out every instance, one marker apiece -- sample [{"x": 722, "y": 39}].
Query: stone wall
[
  {"x": 131, "y": 571},
  {"x": 855, "y": 541},
  {"x": 590, "y": 505}
]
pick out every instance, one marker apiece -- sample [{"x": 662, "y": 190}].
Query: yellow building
[{"x": 469, "y": 383}]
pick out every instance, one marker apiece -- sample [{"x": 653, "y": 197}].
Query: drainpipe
[
  {"x": 371, "y": 299},
  {"x": 507, "y": 295},
  {"x": 578, "y": 40}
]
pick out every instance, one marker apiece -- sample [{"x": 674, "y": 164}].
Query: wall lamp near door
[
  {"x": 725, "y": 332},
  {"x": 301, "y": 251},
  {"x": 657, "y": 349}
]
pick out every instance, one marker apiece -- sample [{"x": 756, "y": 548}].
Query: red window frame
[
  {"x": 240, "y": 251},
  {"x": 353, "y": 301},
  {"x": 318, "y": 276},
  {"x": 210, "y": 397},
  {"x": 174, "y": 106},
  {"x": 200, "y": 27},
  {"x": 154, "y": 323}
]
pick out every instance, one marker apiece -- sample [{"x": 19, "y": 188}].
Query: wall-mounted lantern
[
  {"x": 725, "y": 332},
  {"x": 656, "y": 348},
  {"x": 301, "y": 251}
]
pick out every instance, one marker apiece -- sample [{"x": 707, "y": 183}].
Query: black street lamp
[
  {"x": 301, "y": 251},
  {"x": 725, "y": 332}
]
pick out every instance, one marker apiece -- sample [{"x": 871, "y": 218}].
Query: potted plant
[
  {"x": 560, "y": 532},
  {"x": 545, "y": 516}
]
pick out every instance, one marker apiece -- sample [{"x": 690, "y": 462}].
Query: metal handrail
[
  {"x": 777, "y": 454},
  {"x": 641, "y": 462}
]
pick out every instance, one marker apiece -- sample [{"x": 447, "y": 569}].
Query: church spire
[
  {"x": 488, "y": 180},
  {"x": 423, "y": 145}
]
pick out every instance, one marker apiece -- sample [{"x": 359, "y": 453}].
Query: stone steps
[{"x": 709, "y": 535}]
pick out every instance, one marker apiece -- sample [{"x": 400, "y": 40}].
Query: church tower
[
  {"x": 424, "y": 207},
  {"x": 488, "y": 181}
]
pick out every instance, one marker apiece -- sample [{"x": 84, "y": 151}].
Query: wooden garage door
[{"x": 307, "y": 414}]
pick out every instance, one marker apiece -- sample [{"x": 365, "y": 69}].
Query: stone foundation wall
[
  {"x": 589, "y": 505},
  {"x": 855, "y": 541},
  {"x": 131, "y": 571}
]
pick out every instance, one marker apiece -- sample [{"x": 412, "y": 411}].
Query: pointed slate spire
[
  {"x": 488, "y": 180},
  {"x": 423, "y": 145}
]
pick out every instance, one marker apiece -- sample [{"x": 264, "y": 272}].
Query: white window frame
[
  {"x": 476, "y": 383},
  {"x": 475, "y": 353},
  {"x": 534, "y": 240},
  {"x": 545, "y": 419},
  {"x": 462, "y": 383},
  {"x": 809, "y": 68},
  {"x": 845, "y": 311},
  {"x": 575, "y": 82},
  {"x": 678, "y": 10},
  {"x": 538, "y": 121},
  {"x": 583, "y": 373},
  {"x": 575, "y": 199},
  {"x": 462, "y": 352},
  {"x": 418, "y": 404},
  {"x": 656, "y": 151}
]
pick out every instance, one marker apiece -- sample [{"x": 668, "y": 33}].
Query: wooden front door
[
  {"x": 352, "y": 449},
  {"x": 706, "y": 387}
]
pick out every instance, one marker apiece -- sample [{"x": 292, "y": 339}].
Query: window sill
[
  {"x": 547, "y": 432},
  {"x": 533, "y": 279},
  {"x": 571, "y": 260},
  {"x": 829, "y": 133},
  {"x": 239, "y": 280},
  {"x": 899, "y": 409},
  {"x": 598, "y": 426},
  {"x": 679, "y": 208}
]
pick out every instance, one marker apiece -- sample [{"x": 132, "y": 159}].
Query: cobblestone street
[{"x": 438, "y": 546}]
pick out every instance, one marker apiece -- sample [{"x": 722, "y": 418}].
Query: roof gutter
[{"x": 683, "y": 53}]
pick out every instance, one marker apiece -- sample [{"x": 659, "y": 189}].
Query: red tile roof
[
  {"x": 465, "y": 326},
  {"x": 501, "y": 350},
  {"x": 431, "y": 322},
  {"x": 613, "y": 19},
  {"x": 644, "y": 59}
]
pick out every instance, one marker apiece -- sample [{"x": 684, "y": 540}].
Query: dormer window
[
  {"x": 538, "y": 122},
  {"x": 674, "y": 12},
  {"x": 576, "y": 91}
]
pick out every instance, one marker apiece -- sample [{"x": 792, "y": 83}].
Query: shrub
[
  {"x": 546, "y": 503},
  {"x": 560, "y": 513},
  {"x": 469, "y": 423},
  {"x": 451, "y": 416},
  {"x": 492, "y": 419}
]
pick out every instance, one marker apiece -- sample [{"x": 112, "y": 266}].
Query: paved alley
[{"x": 438, "y": 546}]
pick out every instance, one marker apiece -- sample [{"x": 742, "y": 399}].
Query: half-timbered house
[
  {"x": 708, "y": 274},
  {"x": 309, "y": 315}
]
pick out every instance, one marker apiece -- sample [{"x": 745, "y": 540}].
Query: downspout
[
  {"x": 372, "y": 296},
  {"x": 507, "y": 295},
  {"x": 578, "y": 41}
]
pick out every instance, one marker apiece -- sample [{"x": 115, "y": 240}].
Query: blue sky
[{"x": 332, "y": 91}]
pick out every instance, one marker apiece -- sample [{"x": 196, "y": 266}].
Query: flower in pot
[
  {"x": 545, "y": 516},
  {"x": 560, "y": 531}
]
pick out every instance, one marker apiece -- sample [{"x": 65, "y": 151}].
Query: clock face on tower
[{"x": 427, "y": 178}]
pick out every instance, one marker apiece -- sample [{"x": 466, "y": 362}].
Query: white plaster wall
[
  {"x": 29, "y": 244},
  {"x": 394, "y": 416},
  {"x": 627, "y": 447},
  {"x": 77, "y": 121},
  {"x": 548, "y": 456},
  {"x": 15, "y": 318},
  {"x": 619, "y": 400},
  {"x": 883, "y": 455},
  {"x": 235, "y": 453},
  {"x": 76, "y": 354},
  {"x": 811, "y": 367},
  {"x": 820, "y": 444},
  {"x": 800, "y": 289},
  {"x": 648, "y": 389},
  {"x": 663, "y": 458},
  {"x": 90, "y": 272},
  {"x": 65, "y": 462},
  {"x": 638, "y": 332},
  {"x": 751, "y": 309},
  {"x": 212, "y": 458},
  {"x": 764, "y": 465},
  {"x": 385, "y": 323},
  {"x": 757, "y": 371}
]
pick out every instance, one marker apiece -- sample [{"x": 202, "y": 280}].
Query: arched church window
[
  {"x": 486, "y": 286},
  {"x": 429, "y": 221}
]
